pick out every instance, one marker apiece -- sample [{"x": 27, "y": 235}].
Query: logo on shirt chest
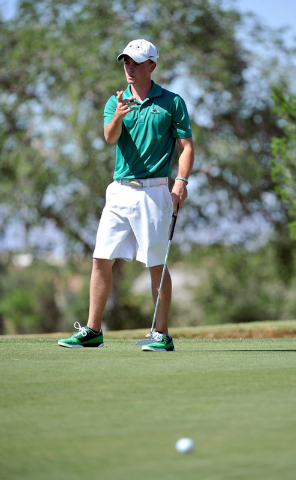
[{"x": 155, "y": 111}]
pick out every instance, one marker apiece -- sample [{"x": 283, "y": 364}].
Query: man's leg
[
  {"x": 161, "y": 341},
  {"x": 165, "y": 296},
  {"x": 100, "y": 289}
]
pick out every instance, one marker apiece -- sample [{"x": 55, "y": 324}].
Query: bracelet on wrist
[{"x": 182, "y": 178}]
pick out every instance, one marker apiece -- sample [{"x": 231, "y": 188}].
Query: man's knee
[
  {"x": 156, "y": 270},
  {"x": 103, "y": 264}
]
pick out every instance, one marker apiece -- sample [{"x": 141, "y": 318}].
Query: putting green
[{"x": 116, "y": 412}]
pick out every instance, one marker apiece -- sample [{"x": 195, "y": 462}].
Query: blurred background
[{"x": 233, "y": 255}]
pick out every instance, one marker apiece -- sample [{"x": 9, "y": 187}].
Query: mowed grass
[{"x": 116, "y": 412}]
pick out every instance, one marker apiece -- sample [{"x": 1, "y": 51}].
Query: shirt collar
[{"x": 156, "y": 91}]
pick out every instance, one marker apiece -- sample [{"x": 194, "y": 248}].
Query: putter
[{"x": 171, "y": 233}]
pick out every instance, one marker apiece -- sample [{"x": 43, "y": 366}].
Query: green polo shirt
[{"x": 146, "y": 145}]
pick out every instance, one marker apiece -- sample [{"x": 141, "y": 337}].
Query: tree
[
  {"x": 28, "y": 303},
  {"x": 53, "y": 158},
  {"x": 284, "y": 155},
  {"x": 58, "y": 68}
]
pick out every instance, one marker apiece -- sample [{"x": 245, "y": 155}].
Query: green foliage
[
  {"x": 232, "y": 285},
  {"x": 28, "y": 301},
  {"x": 58, "y": 68},
  {"x": 44, "y": 298},
  {"x": 236, "y": 285},
  {"x": 284, "y": 155},
  {"x": 54, "y": 89}
]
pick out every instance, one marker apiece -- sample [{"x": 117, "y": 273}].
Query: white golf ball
[{"x": 184, "y": 445}]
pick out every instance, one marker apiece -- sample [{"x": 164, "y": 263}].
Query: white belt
[{"x": 143, "y": 182}]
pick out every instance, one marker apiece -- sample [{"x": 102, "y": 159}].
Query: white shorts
[{"x": 135, "y": 221}]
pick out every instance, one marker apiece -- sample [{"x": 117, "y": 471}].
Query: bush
[
  {"x": 28, "y": 298},
  {"x": 244, "y": 286}
]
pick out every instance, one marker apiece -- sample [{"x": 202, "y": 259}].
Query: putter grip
[{"x": 173, "y": 224}]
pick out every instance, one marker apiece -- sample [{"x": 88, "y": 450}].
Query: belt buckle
[{"x": 136, "y": 183}]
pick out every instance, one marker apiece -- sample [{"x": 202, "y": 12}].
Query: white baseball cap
[{"x": 140, "y": 51}]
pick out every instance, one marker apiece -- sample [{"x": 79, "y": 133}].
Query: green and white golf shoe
[
  {"x": 160, "y": 342},
  {"x": 85, "y": 337}
]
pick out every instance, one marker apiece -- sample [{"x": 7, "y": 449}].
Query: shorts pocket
[
  {"x": 109, "y": 191},
  {"x": 167, "y": 197}
]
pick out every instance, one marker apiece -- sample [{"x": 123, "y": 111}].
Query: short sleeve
[
  {"x": 181, "y": 127},
  {"x": 109, "y": 109}
]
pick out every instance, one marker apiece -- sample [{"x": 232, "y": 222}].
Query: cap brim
[{"x": 134, "y": 56}]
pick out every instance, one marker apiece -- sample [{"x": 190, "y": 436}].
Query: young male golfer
[{"x": 144, "y": 121}]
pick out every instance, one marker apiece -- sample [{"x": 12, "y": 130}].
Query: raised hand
[{"x": 124, "y": 106}]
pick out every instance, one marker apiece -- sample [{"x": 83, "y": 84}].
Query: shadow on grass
[{"x": 249, "y": 350}]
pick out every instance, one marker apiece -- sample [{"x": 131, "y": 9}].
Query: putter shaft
[{"x": 171, "y": 233}]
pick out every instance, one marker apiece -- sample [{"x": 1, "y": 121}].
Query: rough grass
[{"x": 268, "y": 329}]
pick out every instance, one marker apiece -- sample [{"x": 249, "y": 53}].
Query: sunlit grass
[{"x": 116, "y": 412}]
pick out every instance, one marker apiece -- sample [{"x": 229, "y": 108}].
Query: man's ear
[{"x": 152, "y": 66}]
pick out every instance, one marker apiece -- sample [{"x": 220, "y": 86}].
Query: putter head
[{"x": 145, "y": 342}]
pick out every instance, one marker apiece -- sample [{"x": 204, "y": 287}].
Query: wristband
[{"x": 182, "y": 178}]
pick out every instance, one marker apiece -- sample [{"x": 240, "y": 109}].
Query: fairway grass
[{"x": 116, "y": 412}]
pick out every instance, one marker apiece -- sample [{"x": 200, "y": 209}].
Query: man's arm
[
  {"x": 186, "y": 159},
  {"x": 112, "y": 130}
]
